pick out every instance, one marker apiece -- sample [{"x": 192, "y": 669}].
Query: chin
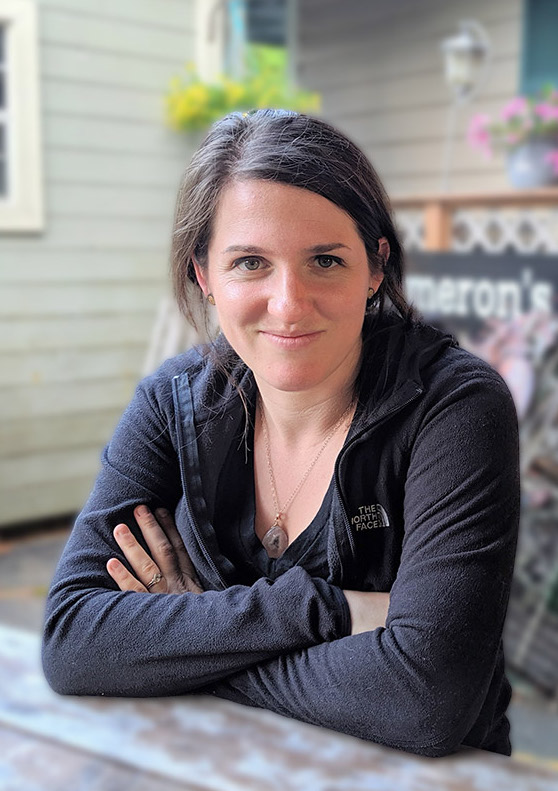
[{"x": 294, "y": 381}]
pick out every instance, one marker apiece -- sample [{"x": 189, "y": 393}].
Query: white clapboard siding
[
  {"x": 415, "y": 56},
  {"x": 173, "y": 13},
  {"x": 121, "y": 202},
  {"x": 26, "y": 436},
  {"x": 75, "y": 166},
  {"x": 78, "y": 300},
  {"x": 114, "y": 70},
  {"x": 48, "y": 400},
  {"x": 76, "y": 265},
  {"x": 70, "y": 365},
  {"x": 159, "y": 40},
  {"x": 19, "y": 335},
  {"x": 379, "y": 69},
  {"x": 73, "y": 300},
  {"x": 44, "y": 500},
  {"x": 399, "y": 23}
]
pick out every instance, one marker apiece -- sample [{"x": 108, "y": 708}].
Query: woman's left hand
[{"x": 168, "y": 569}]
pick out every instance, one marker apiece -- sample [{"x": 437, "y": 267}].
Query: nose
[{"x": 290, "y": 299}]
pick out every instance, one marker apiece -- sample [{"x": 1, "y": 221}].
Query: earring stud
[
  {"x": 211, "y": 299},
  {"x": 370, "y": 293}
]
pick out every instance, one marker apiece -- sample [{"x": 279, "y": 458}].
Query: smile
[{"x": 287, "y": 341}]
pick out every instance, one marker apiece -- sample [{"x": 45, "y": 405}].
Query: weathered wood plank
[
  {"x": 219, "y": 746},
  {"x": 28, "y": 760}
]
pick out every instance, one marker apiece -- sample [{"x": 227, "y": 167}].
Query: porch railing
[{"x": 525, "y": 221}]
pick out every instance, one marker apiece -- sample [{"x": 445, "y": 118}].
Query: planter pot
[{"x": 528, "y": 167}]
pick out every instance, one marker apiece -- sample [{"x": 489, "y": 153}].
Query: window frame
[{"x": 22, "y": 208}]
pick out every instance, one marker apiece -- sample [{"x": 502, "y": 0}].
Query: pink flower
[
  {"x": 552, "y": 158},
  {"x": 517, "y": 106},
  {"x": 547, "y": 112},
  {"x": 478, "y": 134}
]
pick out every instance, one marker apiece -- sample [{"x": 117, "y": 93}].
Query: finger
[
  {"x": 142, "y": 564},
  {"x": 171, "y": 531},
  {"x": 161, "y": 548},
  {"x": 123, "y": 578}
]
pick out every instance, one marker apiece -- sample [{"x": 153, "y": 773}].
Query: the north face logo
[{"x": 369, "y": 517}]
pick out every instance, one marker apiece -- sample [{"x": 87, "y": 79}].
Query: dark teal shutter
[
  {"x": 539, "y": 62},
  {"x": 267, "y": 22}
]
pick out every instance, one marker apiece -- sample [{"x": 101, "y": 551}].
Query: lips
[{"x": 291, "y": 340}]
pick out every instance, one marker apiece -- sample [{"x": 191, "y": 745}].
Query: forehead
[{"x": 262, "y": 206}]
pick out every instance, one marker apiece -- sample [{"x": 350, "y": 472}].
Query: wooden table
[{"x": 51, "y": 743}]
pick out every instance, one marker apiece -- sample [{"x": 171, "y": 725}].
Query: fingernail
[
  {"x": 142, "y": 510},
  {"x": 162, "y": 512},
  {"x": 121, "y": 530}
]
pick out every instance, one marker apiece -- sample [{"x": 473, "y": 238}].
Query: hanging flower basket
[
  {"x": 527, "y": 133},
  {"x": 533, "y": 163}
]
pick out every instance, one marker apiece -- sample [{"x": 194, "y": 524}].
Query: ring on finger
[{"x": 154, "y": 580}]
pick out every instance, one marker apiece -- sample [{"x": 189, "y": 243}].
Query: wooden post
[{"x": 437, "y": 226}]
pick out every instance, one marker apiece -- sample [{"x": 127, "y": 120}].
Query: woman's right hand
[
  {"x": 368, "y": 610},
  {"x": 167, "y": 567}
]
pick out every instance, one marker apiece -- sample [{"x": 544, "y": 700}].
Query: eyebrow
[{"x": 317, "y": 248}]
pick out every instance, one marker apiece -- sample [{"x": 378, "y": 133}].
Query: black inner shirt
[{"x": 233, "y": 520}]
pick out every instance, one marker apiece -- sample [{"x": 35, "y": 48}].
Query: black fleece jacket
[{"x": 425, "y": 506}]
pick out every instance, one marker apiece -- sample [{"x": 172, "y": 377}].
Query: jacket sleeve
[
  {"x": 419, "y": 683},
  {"x": 100, "y": 640}
]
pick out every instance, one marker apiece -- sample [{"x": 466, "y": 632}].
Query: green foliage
[{"x": 193, "y": 104}]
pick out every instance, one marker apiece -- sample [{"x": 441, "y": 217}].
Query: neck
[{"x": 298, "y": 418}]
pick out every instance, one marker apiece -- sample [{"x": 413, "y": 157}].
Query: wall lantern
[
  {"x": 466, "y": 57},
  {"x": 466, "y": 62}
]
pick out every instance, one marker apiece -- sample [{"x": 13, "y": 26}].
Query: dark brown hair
[{"x": 293, "y": 149}]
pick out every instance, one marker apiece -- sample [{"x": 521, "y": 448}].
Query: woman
[{"x": 325, "y": 500}]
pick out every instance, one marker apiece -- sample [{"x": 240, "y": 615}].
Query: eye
[
  {"x": 327, "y": 261},
  {"x": 248, "y": 264}
]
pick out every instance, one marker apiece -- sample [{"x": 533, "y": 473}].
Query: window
[
  {"x": 20, "y": 154},
  {"x": 539, "y": 62}
]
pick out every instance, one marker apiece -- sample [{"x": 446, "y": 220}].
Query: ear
[
  {"x": 200, "y": 276},
  {"x": 383, "y": 252},
  {"x": 384, "y": 249}
]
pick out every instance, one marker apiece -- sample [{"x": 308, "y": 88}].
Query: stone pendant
[{"x": 275, "y": 541}]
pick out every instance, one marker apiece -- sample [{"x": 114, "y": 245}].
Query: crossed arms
[{"x": 418, "y": 684}]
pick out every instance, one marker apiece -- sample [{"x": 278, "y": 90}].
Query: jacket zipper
[{"x": 195, "y": 527}]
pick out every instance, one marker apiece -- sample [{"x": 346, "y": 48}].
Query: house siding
[
  {"x": 78, "y": 301},
  {"x": 379, "y": 69}
]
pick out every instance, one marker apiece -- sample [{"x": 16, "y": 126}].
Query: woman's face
[{"x": 289, "y": 274}]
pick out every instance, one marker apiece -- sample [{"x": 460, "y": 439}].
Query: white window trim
[
  {"x": 22, "y": 210},
  {"x": 210, "y": 38}
]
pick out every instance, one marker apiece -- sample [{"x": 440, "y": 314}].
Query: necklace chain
[{"x": 280, "y": 512}]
